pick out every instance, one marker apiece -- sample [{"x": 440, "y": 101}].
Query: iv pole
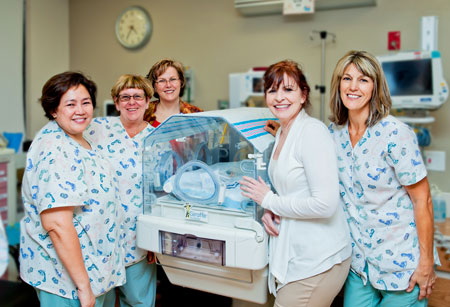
[{"x": 323, "y": 36}]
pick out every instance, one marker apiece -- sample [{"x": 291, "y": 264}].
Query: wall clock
[{"x": 133, "y": 27}]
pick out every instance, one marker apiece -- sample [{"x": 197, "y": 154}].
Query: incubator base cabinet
[{"x": 205, "y": 234}]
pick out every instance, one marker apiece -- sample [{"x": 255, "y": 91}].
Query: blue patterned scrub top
[
  {"x": 59, "y": 173},
  {"x": 3, "y": 249},
  {"x": 125, "y": 154},
  {"x": 372, "y": 176}
]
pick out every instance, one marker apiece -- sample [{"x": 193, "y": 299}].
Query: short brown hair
[
  {"x": 131, "y": 81},
  {"x": 368, "y": 65},
  {"x": 160, "y": 67},
  {"x": 58, "y": 85},
  {"x": 274, "y": 76}
]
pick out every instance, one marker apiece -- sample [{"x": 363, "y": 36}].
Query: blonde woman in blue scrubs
[
  {"x": 384, "y": 188},
  {"x": 121, "y": 139}
]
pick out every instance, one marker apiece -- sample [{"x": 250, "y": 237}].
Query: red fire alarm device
[{"x": 394, "y": 40}]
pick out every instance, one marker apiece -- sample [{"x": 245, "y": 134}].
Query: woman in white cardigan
[{"x": 309, "y": 254}]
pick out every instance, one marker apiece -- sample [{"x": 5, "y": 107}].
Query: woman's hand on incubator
[
  {"x": 254, "y": 189},
  {"x": 151, "y": 258},
  {"x": 270, "y": 221},
  {"x": 272, "y": 126}
]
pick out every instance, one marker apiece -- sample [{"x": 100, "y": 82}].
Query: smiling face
[
  {"x": 74, "y": 112},
  {"x": 132, "y": 103},
  {"x": 356, "y": 91},
  {"x": 168, "y": 86},
  {"x": 286, "y": 101}
]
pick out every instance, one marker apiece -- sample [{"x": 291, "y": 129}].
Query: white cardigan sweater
[{"x": 314, "y": 234}]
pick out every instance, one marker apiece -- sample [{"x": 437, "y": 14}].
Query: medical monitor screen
[
  {"x": 409, "y": 78},
  {"x": 109, "y": 108},
  {"x": 257, "y": 84}
]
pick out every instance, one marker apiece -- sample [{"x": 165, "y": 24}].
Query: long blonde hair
[{"x": 368, "y": 65}]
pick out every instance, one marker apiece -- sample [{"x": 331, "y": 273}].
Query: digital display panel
[
  {"x": 409, "y": 78},
  {"x": 258, "y": 85}
]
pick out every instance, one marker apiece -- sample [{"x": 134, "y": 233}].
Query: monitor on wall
[
  {"x": 109, "y": 108},
  {"x": 415, "y": 79}
]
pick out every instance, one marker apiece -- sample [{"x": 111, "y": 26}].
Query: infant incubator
[{"x": 205, "y": 234}]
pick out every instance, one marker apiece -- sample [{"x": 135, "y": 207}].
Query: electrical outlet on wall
[{"x": 434, "y": 160}]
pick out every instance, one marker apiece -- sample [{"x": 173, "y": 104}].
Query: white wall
[
  {"x": 47, "y": 53},
  {"x": 11, "y": 84}
]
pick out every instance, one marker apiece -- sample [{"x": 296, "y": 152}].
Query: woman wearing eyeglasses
[
  {"x": 121, "y": 140},
  {"x": 167, "y": 78}
]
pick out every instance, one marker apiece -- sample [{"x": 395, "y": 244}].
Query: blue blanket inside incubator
[{"x": 216, "y": 184}]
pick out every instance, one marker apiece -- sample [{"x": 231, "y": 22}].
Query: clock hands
[{"x": 131, "y": 28}]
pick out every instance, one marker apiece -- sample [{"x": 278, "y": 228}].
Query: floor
[
  {"x": 14, "y": 292},
  {"x": 171, "y": 295}
]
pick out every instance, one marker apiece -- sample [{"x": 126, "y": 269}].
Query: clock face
[{"x": 133, "y": 27}]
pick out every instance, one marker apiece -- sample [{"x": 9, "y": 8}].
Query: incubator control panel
[{"x": 192, "y": 247}]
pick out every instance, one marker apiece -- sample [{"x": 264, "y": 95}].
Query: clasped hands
[{"x": 257, "y": 190}]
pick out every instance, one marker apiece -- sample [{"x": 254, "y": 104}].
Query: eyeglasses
[
  {"x": 136, "y": 97},
  {"x": 162, "y": 82}
]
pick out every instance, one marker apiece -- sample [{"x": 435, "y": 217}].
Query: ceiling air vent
[{"x": 266, "y": 7}]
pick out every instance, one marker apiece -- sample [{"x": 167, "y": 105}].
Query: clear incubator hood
[{"x": 206, "y": 235}]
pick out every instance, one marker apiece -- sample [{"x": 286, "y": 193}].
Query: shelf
[{"x": 416, "y": 120}]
